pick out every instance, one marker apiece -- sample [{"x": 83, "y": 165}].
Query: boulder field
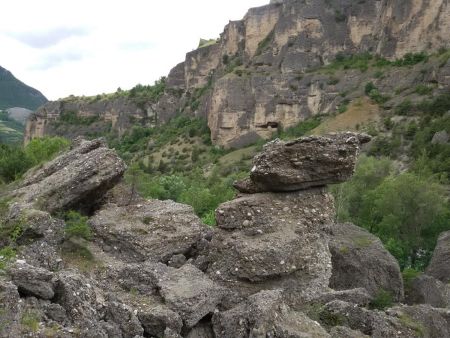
[{"x": 276, "y": 264}]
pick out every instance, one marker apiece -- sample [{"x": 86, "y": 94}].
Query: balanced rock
[
  {"x": 303, "y": 163},
  {"x": 77, "y": 178},
  {"x": 439, "y": 266},
  {"x": 359, "y": 259}
]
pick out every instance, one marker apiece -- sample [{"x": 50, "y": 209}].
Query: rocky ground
[{"x": 276, "y": 265}]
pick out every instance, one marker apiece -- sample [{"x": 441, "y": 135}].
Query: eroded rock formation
[{"x": 152, "y": 269}]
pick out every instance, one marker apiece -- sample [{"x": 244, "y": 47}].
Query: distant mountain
[
  {"x": 19, "y": 114},
  {"x": 15, "y": 93}
]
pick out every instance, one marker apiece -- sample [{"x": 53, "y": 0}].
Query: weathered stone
[
  {"x": 123, "y": 315},
  {"x": 149, "y": 230},
  {"x": 304, "y": 163},
  {"x": 440, "y": 137},
  {"x": 32, "y": 281},
  {"x": 265, "y": 315},
  {"x": 345, "y": 332},
  {"x": 9, "y": 310},
  {"x": 439, "y": 266},
  {"x": 157, "y": 319},
  {"x": 360, "y": 260},
  {"x": 425, "y": 289},
  {"x": 77, "y": 178},
  {"x": 270, "y": 241},
  {"x": 372, "y": 323},
  {"x": 188, "y": 292},
  {"x": 358, "y": 296}
]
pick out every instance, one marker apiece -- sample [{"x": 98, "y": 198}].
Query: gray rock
[
  {"x": 271, "y": 241},
  {"x": 32, "y": 281},
  {"x": 9, "y": 310},
  {"x": 124, "y": 316},
  {"x": 76, "y": 294},
  {"x": 147, "y": 230},
  {"x": 265, "y": 315},
  {"x": 423, "y": 320},
  {"x": 76, "y": 179},
  {"x": 345, "y": 332},
  {"x": 372, "y": 323},
  {"x": 439, "y": 266},
  {"x": 358, "y": 296},
  {"x": 201, "y": 330},
  {"x": 188, "y": 292},
  {"x": 359, "y": 259},
  {"x": 306, "y": 162},
  {"x": 441, "y": 137},
  {"x": 157, "y": 319},
  {"x": 425, "y": 289}
]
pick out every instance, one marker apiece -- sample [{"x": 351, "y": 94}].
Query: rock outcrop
[
  {"x": 359, "y": 259},
  {"x": 152, "y": 269},
  {"x": 439, "y": 266}
]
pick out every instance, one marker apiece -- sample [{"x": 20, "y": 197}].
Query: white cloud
[{"x": 88, "y": 47}]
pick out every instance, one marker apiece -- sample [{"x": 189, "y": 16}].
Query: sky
[{"x": 81, "y": 47}]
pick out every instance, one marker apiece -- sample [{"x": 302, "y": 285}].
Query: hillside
[
  {"x": 281, "y": 64},
  {"x": 14, "y": 93}
]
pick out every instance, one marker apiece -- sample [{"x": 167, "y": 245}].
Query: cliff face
[{"x": 260, "y": 74}]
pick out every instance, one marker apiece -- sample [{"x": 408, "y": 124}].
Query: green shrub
[
  {"x": 77, "y": 226},
  {"x": 209, "y": 218},
  {"x": 30, "y": 321},
  {"x": 404, "y": 108},
  {"x": 382, "y": 300},
  {"x": 6, "y": 255},
  {"x": 423, "y": 89}
]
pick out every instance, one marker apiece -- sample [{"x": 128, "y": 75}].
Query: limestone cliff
[{"x": 260, "y": 76}]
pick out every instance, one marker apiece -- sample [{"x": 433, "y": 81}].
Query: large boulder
[
  {"x": 265, "y": 315},
  {"x": 439, "y": 266},
  {"x": 77, "y": 178},
  {"x": 304, "y": 163},
  {"x": 271, "y": 241},
  {"x": 147, "y": 230},
  {"x": 360, "y": 260},
  {"x": 425, "y": 289},
  {"x": 32, "y": 281},
  {"x": 9, "y": 310}
]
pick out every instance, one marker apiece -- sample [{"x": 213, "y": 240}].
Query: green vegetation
[
  {"x": 77, "y": 226},
  {"x": 14, "y": 93},
  {"x": 264, "y": 44},
  {"x": 407, "y": 211},
  {"x": 6, "y": 255},
  {"x": 30, "y": 321},
  {"x": 206, "y": 42},
  {"x": 16, "y": 160},
  {"x": 382, "y": 300},
  {"x": 301, "y": 129},
  {"x": 11, "y": 131}
]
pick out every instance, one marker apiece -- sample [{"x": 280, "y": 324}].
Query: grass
[
  {"x": 30, "y": 321},
  {"x": 409, "y": 322},
  {"x": 382, "y": 300},
  {"x": 359, "y": 112},
  {"x": 7, "y": 254},
  {"x": 76, "y": 253}
]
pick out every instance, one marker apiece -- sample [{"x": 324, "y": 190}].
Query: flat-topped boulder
[
  {"x": 304, "y": 163},
  {"x": 77, "y": 178}
]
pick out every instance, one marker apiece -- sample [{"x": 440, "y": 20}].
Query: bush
[
  {"x": 6, "y": 255},
  {"x": 77, "y": 226},
  {"x": 382, "y": 300}
]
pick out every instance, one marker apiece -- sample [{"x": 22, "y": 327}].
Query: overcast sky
[{"x": 83, "y": 47}]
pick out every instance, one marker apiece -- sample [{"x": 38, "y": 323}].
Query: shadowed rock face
[
  {"x": 359, "y": 259},
  {"x": 439, "y": 267}
]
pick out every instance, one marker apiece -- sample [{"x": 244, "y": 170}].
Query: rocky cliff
[{"x": 267, "y": 70}]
